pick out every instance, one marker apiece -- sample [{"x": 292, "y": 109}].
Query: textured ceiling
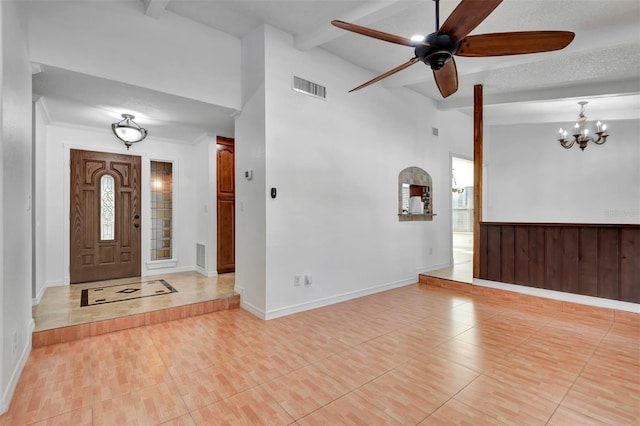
[{"x": 602, "y": 62}]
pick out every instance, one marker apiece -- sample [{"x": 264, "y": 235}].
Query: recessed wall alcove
[{"x": 415, "y": 195}]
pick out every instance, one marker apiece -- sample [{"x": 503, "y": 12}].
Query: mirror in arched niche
[{"x": 415, "y": 195}]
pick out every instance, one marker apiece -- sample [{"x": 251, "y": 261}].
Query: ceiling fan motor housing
[{"x": 437, "y": 51}]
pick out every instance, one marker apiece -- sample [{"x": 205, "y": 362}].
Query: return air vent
[
  {"x": 200, "y": 255},
  {"x": 309, "y": 88}
]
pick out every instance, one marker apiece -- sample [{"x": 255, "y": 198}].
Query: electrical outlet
[
  {"x": 308, "y": 279},
  {"x": 430, "y": 251},
  {"x": 297, "y": 279},
  {"x": 15, "y": 341}
]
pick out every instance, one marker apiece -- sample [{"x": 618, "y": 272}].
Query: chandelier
[
  {"x": 128, "y": 131},
  {"x": 581, "y": 133},
  {"x": 454, "y": 185}
]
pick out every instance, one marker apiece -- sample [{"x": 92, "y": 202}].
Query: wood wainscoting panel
[
  {"x": 552, "y": 258},
  {"x": 570, "y": 260},
  {"x": 507, "y": 254},
  {"x": 608, "y": 263},
  {"x": 630, "y": 264},
  {"x": 588, "y": 259},
  {"x": 521, "y": 261},
  {"x": 494, "y": 260},
  {"x": 536, "y": 257}
]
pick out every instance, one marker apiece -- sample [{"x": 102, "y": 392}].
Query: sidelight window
[
  {"x": 161, "y": 210},
  {"x": 107, "y": 208}
]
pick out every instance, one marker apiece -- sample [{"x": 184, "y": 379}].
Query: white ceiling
[
  {"x": 602, "y": 64},
  {"x": 84, "y": 100}
]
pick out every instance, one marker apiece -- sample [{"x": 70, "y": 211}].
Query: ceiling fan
[{"x": 437, "y": 49}]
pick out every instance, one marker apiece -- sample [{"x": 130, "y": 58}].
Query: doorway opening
[{"x": 462, "y": 209}]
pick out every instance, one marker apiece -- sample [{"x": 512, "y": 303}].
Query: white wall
[
  {"x": 335, "y": 164},
  {"x": 40, "y": 197},
  {"x": 186, "y": 177},
  {"x": 117, "y": 41},
  {"x": 205, "y": 198},
  {"x": 251, "y": 194},
  {"x": 531, "y": 178},
  {"x": 15, "y": 237}
]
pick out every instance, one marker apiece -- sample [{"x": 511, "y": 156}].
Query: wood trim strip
[
  {"x": 565, "y": 225},
  {"x": 477, "y": 175}
]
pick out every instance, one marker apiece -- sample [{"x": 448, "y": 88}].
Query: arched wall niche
[{"x": 415, "y": 196}]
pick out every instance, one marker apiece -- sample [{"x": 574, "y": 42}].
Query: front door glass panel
[{"x": 107, "y": 208}]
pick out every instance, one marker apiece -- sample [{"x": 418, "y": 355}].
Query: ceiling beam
[
  {"x": 366, "y": 14},
  {"x": 583, "y": 90},
  {"x": 154, "y": 8}
]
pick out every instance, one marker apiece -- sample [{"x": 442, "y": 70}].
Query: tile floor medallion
[{"x": 121, "y": 292}]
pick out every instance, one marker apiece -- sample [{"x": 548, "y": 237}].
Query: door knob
[
  {"x": 137, "y": 216},
  {"x": 136, "y": 225}
]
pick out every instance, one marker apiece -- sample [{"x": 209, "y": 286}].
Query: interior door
[
  {"x": 105, "y": 216},
  {"x": 225, "y": 166}
]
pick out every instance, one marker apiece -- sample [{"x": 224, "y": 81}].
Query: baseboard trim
[
  {"x": 7, "y": 395},
  {"x": 156, "y": 272},
  {"x": 430, "y": 268},
  {"x": 597, "y": 302},
  {"x": 239, "y": 289},
  {"x": 253, "y": 309},
  {"x": 301, "y": 307},
  {"x": 161, "y": 264},
  {"x": 208, "y": 274},
  {"x": 36, "y": 300}
]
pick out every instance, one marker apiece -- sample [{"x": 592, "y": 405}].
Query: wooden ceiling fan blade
[
  {"x": 514, "y": 43},
  {"x": 386, "y": 74},
  {"x": 447, "y": 78},
  {"x": 370, "y": 32},
  {"x": 466, "y": 16}
]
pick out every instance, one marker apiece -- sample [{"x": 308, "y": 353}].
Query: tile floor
[
  {"x": 415, "y": 355},
  {"x": 60, "y": 306}
]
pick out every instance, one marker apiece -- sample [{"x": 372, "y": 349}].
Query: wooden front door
[
  {"x": 105, "y": 216},
  {"x": 225, "y": 166}
]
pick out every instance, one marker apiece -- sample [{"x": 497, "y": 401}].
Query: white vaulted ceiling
[{"x": 602, "y": 62}]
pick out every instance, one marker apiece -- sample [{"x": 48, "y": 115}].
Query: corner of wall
[
  {"x": 248, "y": 306},
  {"x": 36, "y": 300},
  {"x": 7, "y": 394}
]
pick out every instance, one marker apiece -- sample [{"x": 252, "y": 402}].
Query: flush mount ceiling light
[
  {"x": 128, "y": 131},
  {"x": 581, "y": 133}
]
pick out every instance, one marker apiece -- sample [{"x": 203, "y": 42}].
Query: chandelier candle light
[{"x": 581, "y": 134}]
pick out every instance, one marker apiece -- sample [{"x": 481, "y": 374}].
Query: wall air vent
[
  {"x": 201, "y": 251},
  {"x": 309, "y": 88}
]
